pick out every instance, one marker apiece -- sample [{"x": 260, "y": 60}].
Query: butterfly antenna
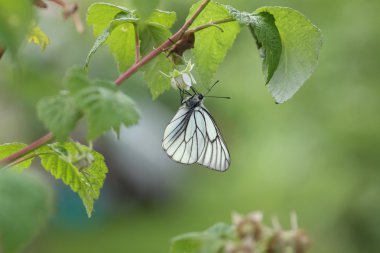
[
  {"x": 217, "y": 97},
  {"x": 208, "y": 91},
  {"x": 194, "y": 90}
]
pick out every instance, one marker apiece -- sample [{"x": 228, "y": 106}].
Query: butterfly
[{"x": 192, "y": 136}]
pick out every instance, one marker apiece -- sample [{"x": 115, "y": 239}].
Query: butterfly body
[
  {"x": 192, "y": 136},
  {"x": 194, "y": 101}
]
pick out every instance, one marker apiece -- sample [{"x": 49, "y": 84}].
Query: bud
[
  {"x": 301, "y": 241},
  {"x": 182, "y": 79},
  {"x": 276, "y": 243},
  {"x": 84, "y": 161},
  {"x": 250, "y": 225},
  {"x": 245, "y": 246}
]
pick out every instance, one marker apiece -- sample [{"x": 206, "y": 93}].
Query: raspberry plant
[{"x": 288, "y": 42}]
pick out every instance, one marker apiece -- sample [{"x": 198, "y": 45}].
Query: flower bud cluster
[{"x": 252, "y": 236}]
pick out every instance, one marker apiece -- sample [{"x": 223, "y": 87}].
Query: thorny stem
[{"x": 177, "y": 36}]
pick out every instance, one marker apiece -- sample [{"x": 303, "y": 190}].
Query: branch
[
  {"x": 135, "y": 67},
  {"x": 2, "y": 51},
  {"x": 48, "y": 137},
  {"x": 38, "y": 143},
  {"x": 214, "y": 23}
]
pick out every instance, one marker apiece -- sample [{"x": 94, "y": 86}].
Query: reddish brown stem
[
  {"x": 161, "y": 48},
  {"x": 40, "y": 4},
  {"x": 59, "y": 2},
  {"x": 45, "y": 139},
  {"x": 2, "y": 51},
  {"x": 38, "y": 143}
]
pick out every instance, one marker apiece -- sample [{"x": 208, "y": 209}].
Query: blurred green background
[{"x": 318, "y": 154}]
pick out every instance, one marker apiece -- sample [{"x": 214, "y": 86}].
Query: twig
[
  {"x": 135, "y": 67},
  {"x": 2, "y": 51},
  {"x": 38, "y": 143},
  {"x": 214, "y": 23},
  {"x": 59, "y": 2},
  {"x": 45, "y": 139}
]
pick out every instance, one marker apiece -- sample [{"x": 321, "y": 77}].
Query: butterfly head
[{"x": 194, "y": 101}]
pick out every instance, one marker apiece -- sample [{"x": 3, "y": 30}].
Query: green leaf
[
  {"x": 267, "y": 37},
  {"x": 164, "y": 18},
  {"x": 15, "y": 22},
  {"x": 59, "y": 114},
  {"x": 78, "y": 166},
  {"x": 122, "y": 41},
  {"x": 26, "y": 205},
  {"x": 209, "y": 241},
  {"x": 211, "y": 44},
  {"x": 152, "y": 35},
  {"x": 76, "y": 79},
  {"x": 123, "y": 46},
  {"x": 157, "y": 82},
  {"x": 11, "y": 148},
  {"x": 105, "y": 107},
  {"x": 98, "y": 43},
  {"x": 222, "y": 230},
  {"x": 100, "y": 15},
  {"x": 268, "y": 40},
  {"x": 301, "y": 43},
  {"x": 114, "y": 25},
  {"x": 145, "y": 7},
  {"x": 38, "y": 37}
]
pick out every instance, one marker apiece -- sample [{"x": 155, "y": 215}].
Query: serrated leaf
[
  {"x": 11, "y": 148},
  {"x": 301, "y": 43},
  {"x": 105, "y": 107},
  {"x": 59, "y": 114},
  {"x": 15, "y": 21},
  {"x": 38, "y": 37},
  {"x": 114, "y": 24},
  {"x": 121, "y": 43},
  {"x": 209, "y": 241},
  {"x": 164, "y": 18},
  {"x": 268, "y": 40},
  {"x": 100, "y": 15},
  {"x": 157, "y": 82},
  {"x": 152, "y": 35},
  {"x": 211, "y": 44},
  {"x": 267, "y": 37},
  {"x": 26, "y": 205},
  {"x": 76, "y": 79},
  {"x": 98, "y": 43},
  {"x": 82, "y": 169},
  {"x": 242, "y": 17},
  {"x": 145, "y": 7}
]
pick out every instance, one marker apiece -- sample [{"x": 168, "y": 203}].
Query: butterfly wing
[
  {"x": 215, "y": 155},
  {"x": 192, "y": 136},
  {"x": 185, "y": 136}
]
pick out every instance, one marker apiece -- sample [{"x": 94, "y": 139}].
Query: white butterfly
[{"x": 192, "y": 136}]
